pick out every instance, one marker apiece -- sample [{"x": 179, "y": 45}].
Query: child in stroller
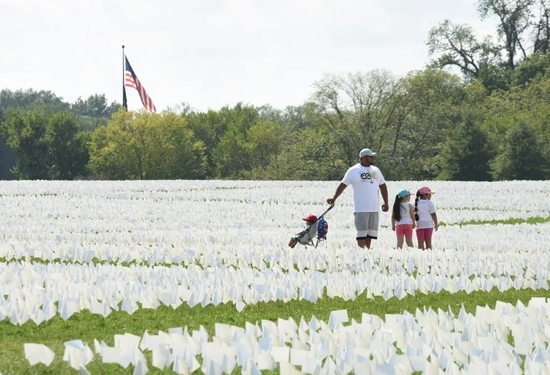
[
  {"x": 316, "y": 230},
  {"x": 306, "y": 236}
]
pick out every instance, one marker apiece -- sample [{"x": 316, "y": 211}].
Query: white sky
[{"x": 211, "y": 53}]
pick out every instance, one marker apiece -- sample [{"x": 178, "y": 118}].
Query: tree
[
  {"x": 223, "y": 133},
  {"x": 264, "y": 141},
  {"x": 523, "y": 28},
  {"x": 466, "y": 154},
  {"x": 520, "y": 156},
  {"x": 357, "y": 111},
  {"x": 541, "y": 33},
  {"x": 503, "y": 109},
  {"x": 31, "y": 99},
  {"x": 93, "y": 111},
  {"x": 67, "y": 155},
  {"x": 515, "y": 19},
  {"x": 231, "y": 156},
  {"x": 7, "y": 160},
  {"x": 140, "y": 145},
  {"x": 456, "y": 45},
  {"x": 534, "y": 67},
  {"x": 46, "y": 146},
  {"x": 310, "y": 157},
  {"x": 426, "y": 110},
  {"x": 24, "y": 134}
]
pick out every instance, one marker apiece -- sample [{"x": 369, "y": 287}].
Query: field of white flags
[{"x": 89, "y": 271}]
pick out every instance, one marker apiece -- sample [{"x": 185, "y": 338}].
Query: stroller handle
[{"x": 327, "y": 210}]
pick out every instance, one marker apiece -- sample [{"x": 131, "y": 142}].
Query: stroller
[{"x": 314, "y": 233}]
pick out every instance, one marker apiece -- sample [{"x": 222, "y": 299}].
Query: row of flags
[{"x": 131, "y": 80}]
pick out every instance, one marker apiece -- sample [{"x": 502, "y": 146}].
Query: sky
[{"x": 213, "y": 53}]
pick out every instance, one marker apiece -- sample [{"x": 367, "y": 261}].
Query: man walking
[{"x": 366, "y": 180}]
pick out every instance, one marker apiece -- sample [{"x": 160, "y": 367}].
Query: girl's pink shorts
[
  {"x": 424, "y": 233},
  {"x": 404, "y": 230}
]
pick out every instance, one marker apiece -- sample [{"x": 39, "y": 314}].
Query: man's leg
[
  {"x": 362, "y": 242},
  {"x": 372, "y": 227},
  {"x": 361, "y": 224}
]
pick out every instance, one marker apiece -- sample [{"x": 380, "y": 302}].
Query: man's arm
[
  {"x": 384, "y": 191},
  {"x": 339, "y": 190}
]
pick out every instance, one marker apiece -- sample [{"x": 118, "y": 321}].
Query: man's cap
[
  {"x": 310, "y": 218},
  {"x": 425, "y": 190},
  {"x": 366, "y": 152},
  {"x": 403, "y": 193}
]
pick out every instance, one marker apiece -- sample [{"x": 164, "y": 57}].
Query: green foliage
[
  {"x": 264, "y": 141},
  {"x": 520, "y": 156},
  {"x": 7, "y": 159},
  {"x": 511, "y": 221},
  {"x": 465, "y": 155},
  {"x": 494, "y": 77},
  {"x": 139, "y": 145},
  {"x": 93, "y": 111},
  {"x": 311, "y": 156},
  {"x": 54, "y": 165},
  {"x": 522, "y": 25},
  {"x": 222, "y": 133},
  {"x": 515, "y": 19},
  {"x": 426, "y": 108},
  {"x": 356, "y": 111},
  {"x": 25, "y": 134},
  {"x": 46, "y": 146},
  {"x": 533, "y": 68},
  {"x": 67, "y": 155},
  {"x": 239, "y": 142},
  {"x": 456, "y": 46},
  {"x": 31, "y": 100}
]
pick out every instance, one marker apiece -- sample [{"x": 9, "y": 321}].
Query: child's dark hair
[
  {"x": 397, "y": 208},
  {"x": 416, "y": 206}
]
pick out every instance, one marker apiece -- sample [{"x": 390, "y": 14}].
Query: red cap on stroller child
[{"x": 310, "y": 218}]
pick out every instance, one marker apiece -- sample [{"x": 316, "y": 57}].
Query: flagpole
[{"x": 124, "y": 100}]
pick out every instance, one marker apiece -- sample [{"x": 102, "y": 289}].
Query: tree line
[{"x": 488, "y": 121}]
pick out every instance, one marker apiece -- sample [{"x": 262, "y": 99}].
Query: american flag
[{"x": 132, "y": 80}]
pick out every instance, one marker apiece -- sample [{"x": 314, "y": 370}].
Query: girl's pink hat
[{"x": 425, "y": 190}]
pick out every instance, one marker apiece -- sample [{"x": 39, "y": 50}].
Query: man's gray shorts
[{"x": 366, "y": 224}]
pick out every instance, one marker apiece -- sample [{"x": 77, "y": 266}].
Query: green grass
[
  {"x": 87, "y": 327},
  {"x": 512, "y": 221}
]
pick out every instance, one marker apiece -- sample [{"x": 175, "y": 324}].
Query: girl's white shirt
[
  {"x": 425, "y": 209},
  {"x": 405, "y": 214}
]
